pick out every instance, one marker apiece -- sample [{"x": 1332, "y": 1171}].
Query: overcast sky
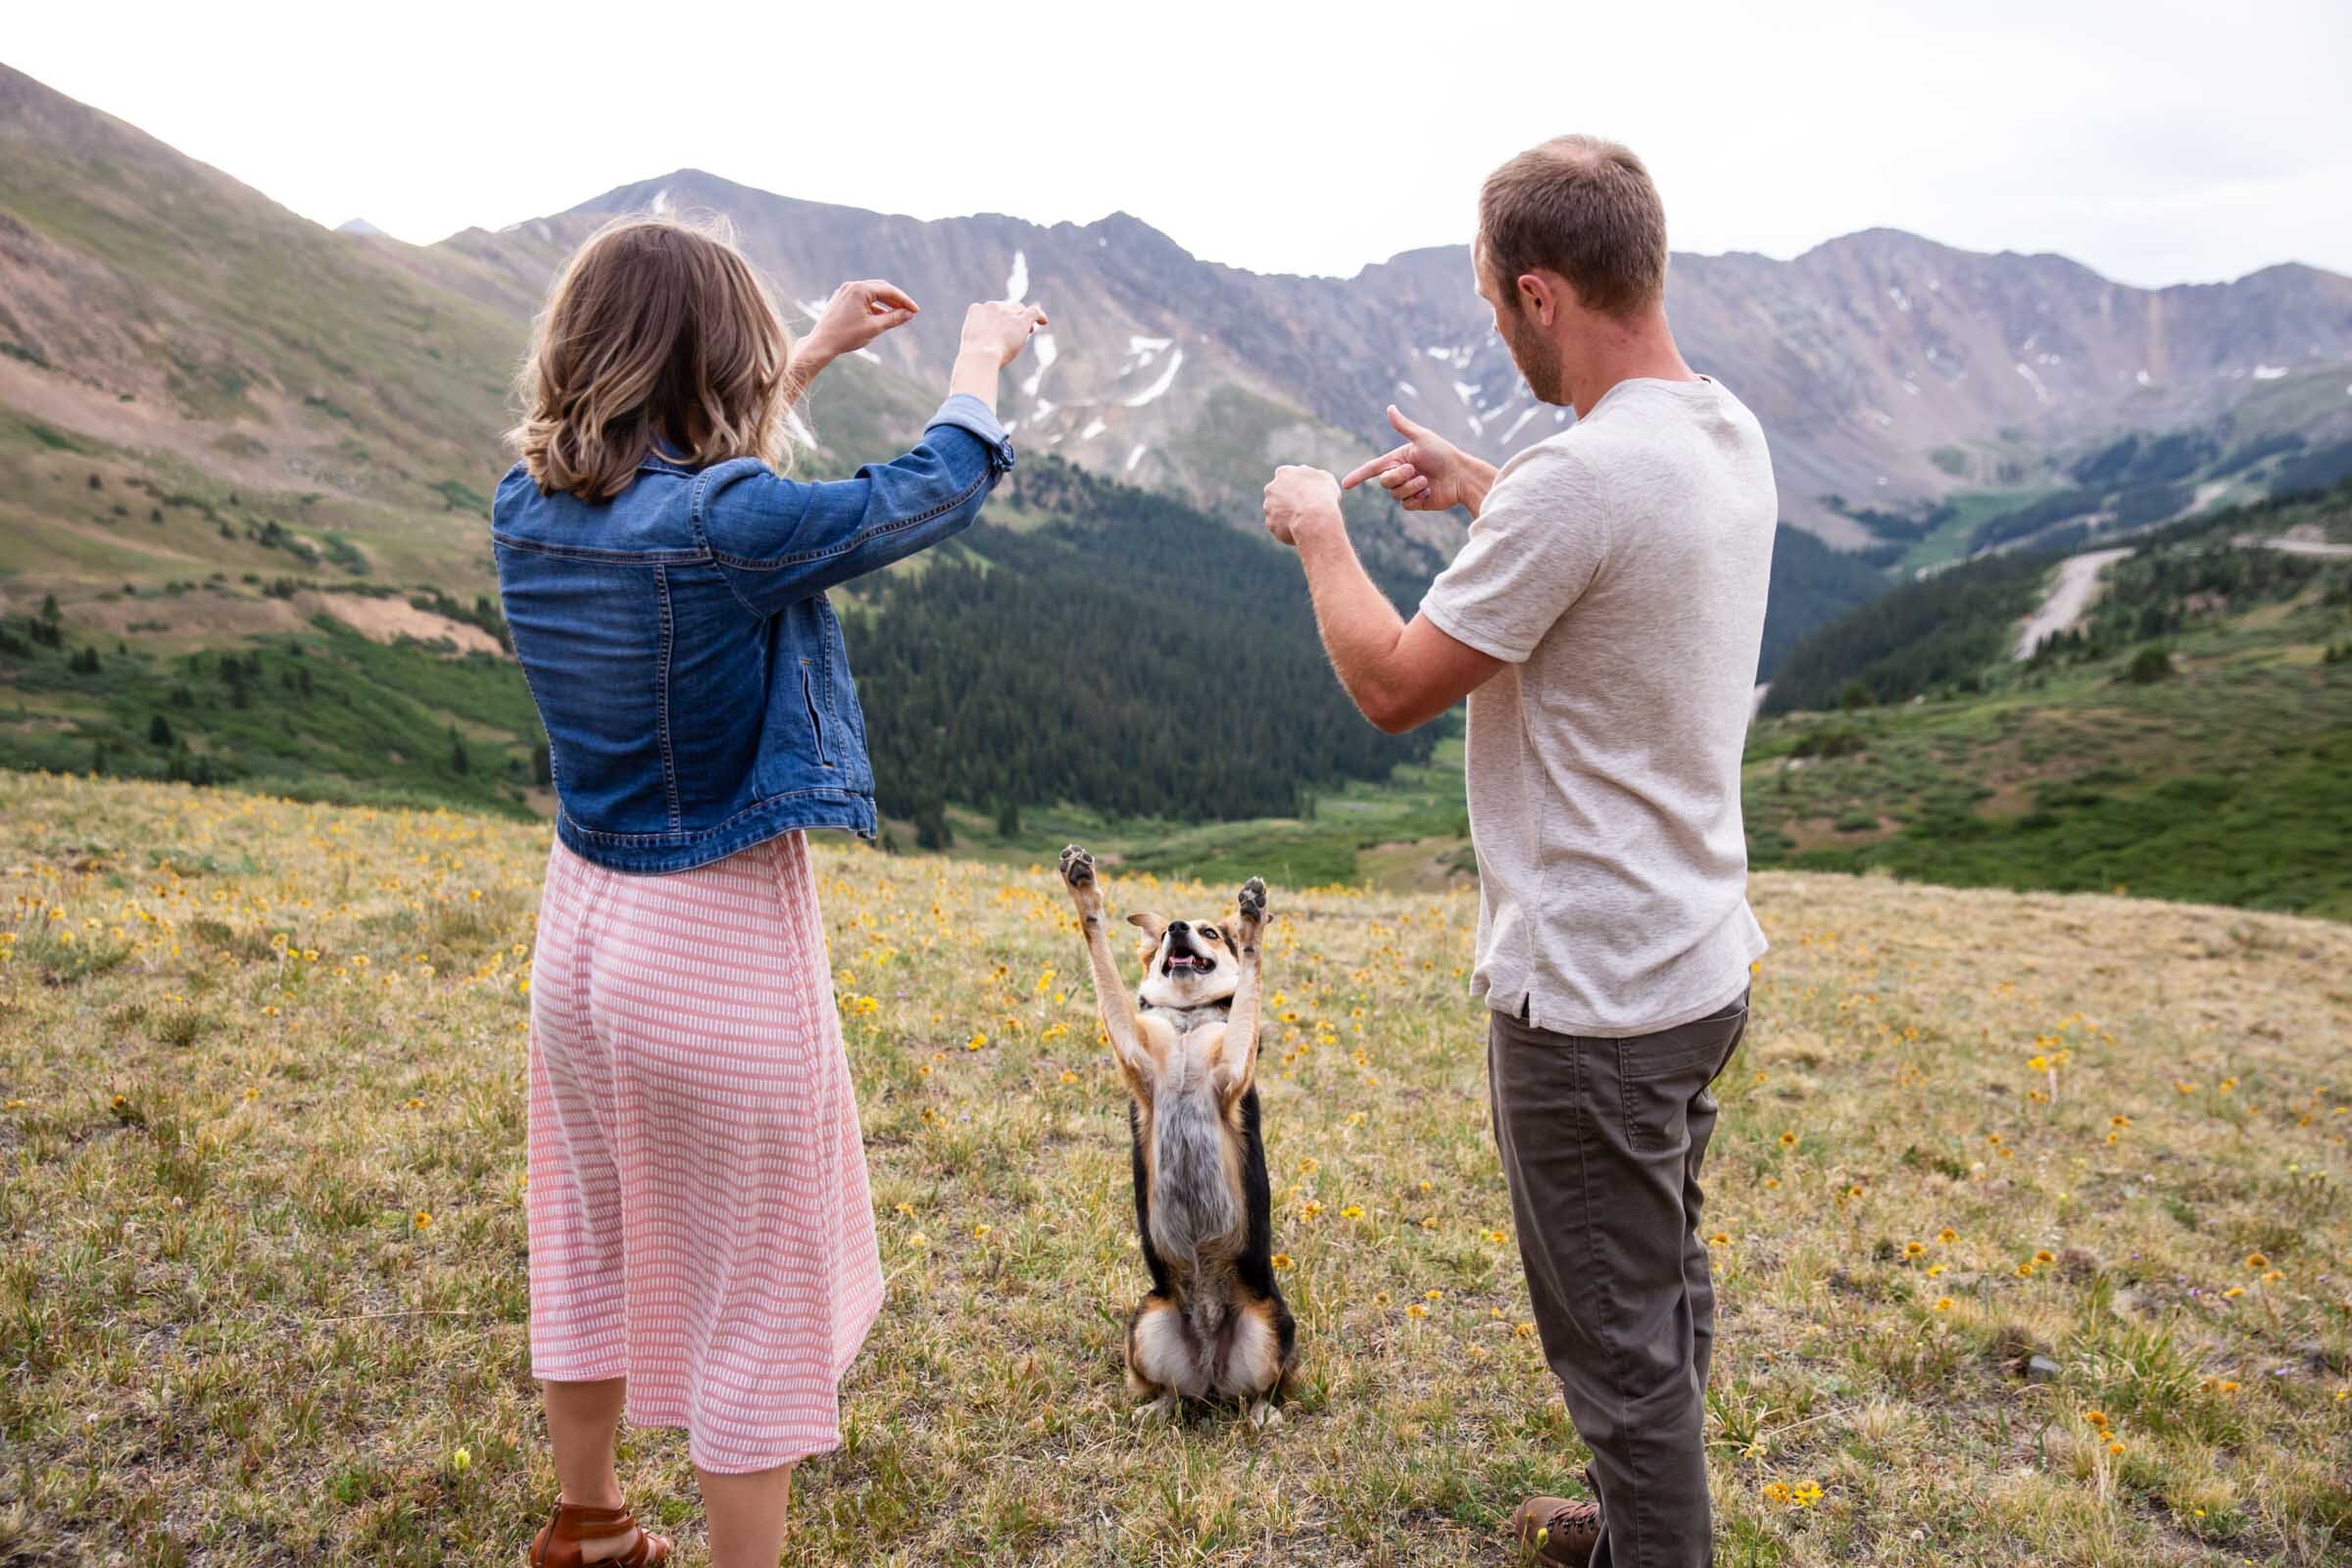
[{"x": 2158, "y": 142}]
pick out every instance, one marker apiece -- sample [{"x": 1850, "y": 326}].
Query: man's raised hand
[{"x": 1428, "y": 473}]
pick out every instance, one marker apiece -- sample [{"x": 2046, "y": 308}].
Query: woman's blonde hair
[{"x": 657, "y": 331}]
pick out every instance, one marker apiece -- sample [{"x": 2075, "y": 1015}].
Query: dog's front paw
[
  {"x": 1078, "y": 874},
  {"x": 1253, "y": 903}
]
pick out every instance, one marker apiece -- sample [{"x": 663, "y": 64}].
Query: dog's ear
[{"x": 1151, "y": 925}]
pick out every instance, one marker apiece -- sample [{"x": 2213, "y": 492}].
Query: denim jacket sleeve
[{"x": 781, "y": 540}]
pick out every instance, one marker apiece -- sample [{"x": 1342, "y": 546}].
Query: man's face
[{"x": 1532, "y": 349}]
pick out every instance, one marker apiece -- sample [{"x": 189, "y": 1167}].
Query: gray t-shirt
[{"x": 1620, "y": 568}]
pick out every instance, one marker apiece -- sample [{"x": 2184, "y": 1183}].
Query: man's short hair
[{"x": 1584, "y": 208}]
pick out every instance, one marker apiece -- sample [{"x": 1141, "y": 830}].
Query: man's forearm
[{"x": 1359, "y": 626}]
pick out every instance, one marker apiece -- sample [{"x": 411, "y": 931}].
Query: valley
[{"x": 244, "y": 464}]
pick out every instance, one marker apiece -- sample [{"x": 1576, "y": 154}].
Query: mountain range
[
  {"x": 1890, "y": 370},
  {"x": 152, "y": 303},
  {"x": 245, "y": 461}
]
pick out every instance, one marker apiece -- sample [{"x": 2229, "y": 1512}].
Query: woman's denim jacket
[{"x": 687, "y": 666}]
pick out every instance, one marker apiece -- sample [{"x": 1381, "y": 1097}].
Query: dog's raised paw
[
  {"x": 1077, "y": 868},
  {"x": 1254, "y": 899}
]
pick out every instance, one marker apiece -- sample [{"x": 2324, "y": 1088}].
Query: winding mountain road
[
  {"x": 2325, "y": 549},
  {"x": 2077, "y": 583}
]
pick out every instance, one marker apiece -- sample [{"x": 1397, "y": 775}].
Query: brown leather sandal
[{"x": 559, "y": 1541}]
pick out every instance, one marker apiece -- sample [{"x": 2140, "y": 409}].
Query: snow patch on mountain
[
  {"x": 2269, "y": 372},
  {"x": 1142, "y": 351},
  {"x": 1016, "y": 284},
  {"x": 1042, "y": 347},
  {"x": 1093, "y": 428},
  {"x": 1135, "y": 457},
  {"x": 1167, "y": 378}
]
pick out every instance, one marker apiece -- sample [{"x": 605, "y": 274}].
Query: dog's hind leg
[
  {"x": 1164, "y": 1363},
  {"x": 1251, "y": 1363},
  {"x": 1111, "y": 998}
]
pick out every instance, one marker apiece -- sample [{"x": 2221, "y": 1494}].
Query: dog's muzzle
[{"x": 1183, "y": 958}]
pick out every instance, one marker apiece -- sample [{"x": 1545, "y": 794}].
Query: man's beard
[{"x": 1539, "y": 360}]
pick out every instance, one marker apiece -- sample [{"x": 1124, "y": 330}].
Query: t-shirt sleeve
[{"x": 1534, "y": 550}]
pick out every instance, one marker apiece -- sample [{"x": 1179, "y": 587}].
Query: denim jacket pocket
[{"x": 816, "y": 718}]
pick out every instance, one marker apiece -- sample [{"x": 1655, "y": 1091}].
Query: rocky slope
[{"x": 1888, "y": 368}]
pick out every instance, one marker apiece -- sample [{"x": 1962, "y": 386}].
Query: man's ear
[
  {"x": 1541, "y": 295},
  {"x": 1151, "y": 925}
]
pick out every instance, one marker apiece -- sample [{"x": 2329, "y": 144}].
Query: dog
[{"x": 1213, "y": 1325}]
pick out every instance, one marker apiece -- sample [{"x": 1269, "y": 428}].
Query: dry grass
[{"x": 262, "y": 1249}]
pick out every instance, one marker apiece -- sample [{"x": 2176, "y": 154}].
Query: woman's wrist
[
  {"x": 975, "y": 375},
  {"x": 810, "y": 357}
]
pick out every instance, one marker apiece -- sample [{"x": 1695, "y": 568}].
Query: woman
[{"x": 701, "y": 1237}]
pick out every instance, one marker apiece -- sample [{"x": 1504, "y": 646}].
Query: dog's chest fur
[{"x": 1184, "y": 1021}]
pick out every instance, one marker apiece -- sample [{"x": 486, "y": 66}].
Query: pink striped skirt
[{"x": 700, "y": 1222}]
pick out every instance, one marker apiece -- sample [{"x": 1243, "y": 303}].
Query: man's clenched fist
[{"x": 1300, "y": 497}]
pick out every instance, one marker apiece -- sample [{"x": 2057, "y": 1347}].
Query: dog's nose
[{"x": 1179, "y": 927}]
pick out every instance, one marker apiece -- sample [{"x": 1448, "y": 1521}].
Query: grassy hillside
[
  {"x": 2027, "y": 1215},
  {"x": 2188, "y": 739}
]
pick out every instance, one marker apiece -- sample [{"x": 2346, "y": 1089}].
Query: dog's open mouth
[{"x": 1190, "y": 964}]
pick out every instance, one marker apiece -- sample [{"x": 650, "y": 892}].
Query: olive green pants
[{"x": 1602, "y": 1142}]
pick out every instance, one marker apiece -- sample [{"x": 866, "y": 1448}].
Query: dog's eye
[{"x": 1210, "y": 932}]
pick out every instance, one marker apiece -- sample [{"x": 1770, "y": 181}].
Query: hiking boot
[{"x": 1560, "y": 1533}]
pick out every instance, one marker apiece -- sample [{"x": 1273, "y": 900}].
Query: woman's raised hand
[
  {"x": 1001, "y": 327},
  {"x": 858, "y": 313}
]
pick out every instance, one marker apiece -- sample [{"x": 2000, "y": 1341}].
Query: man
[{"x": 1603, "y": 620}]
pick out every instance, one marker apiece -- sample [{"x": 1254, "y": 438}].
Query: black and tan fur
[{"x": 1213, "y": 1325}]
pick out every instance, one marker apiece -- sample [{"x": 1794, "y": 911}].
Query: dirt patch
[
  {"x": 387, "y": 620},
  {"x": 1416, "y": 866},
  {"x": 204, "y": 616}
]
